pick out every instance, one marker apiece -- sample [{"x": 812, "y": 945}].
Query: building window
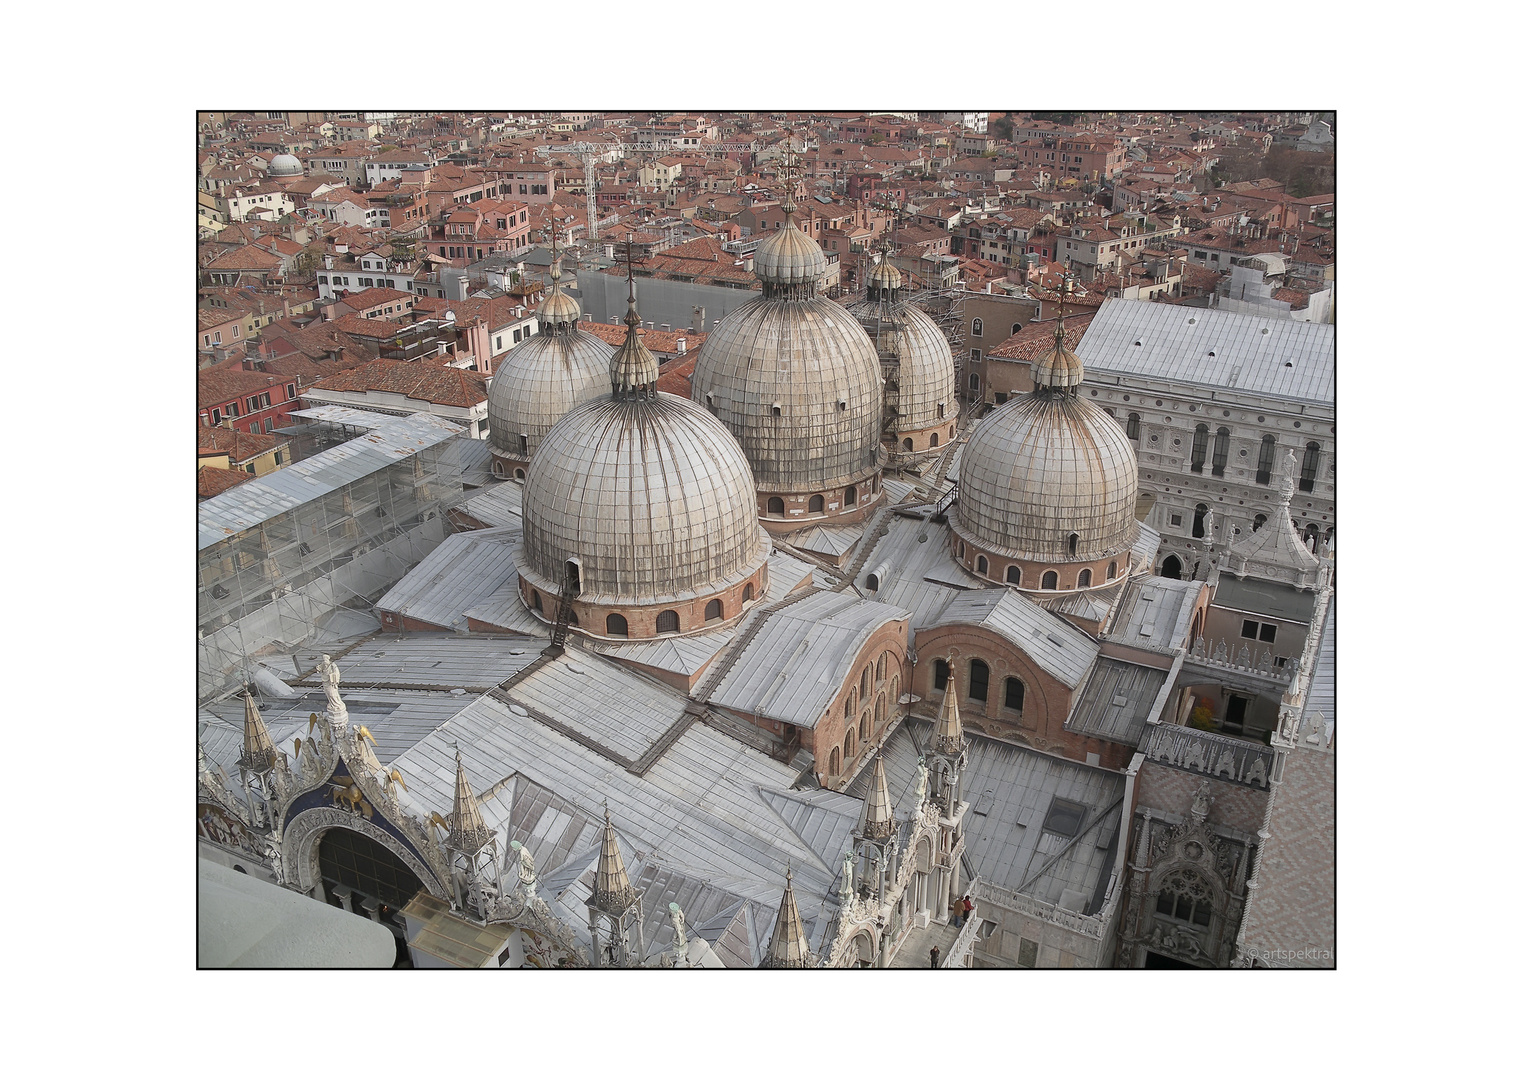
[
  {"x": 980, "y": 675},
  {"x": 1265, "y": 459},
  {"x": 817, "y": 505},
  {"x": 975, "y": 327},
  {"x": 776, "y": 506},
  {"x": 1200, "y": 448},
  {"x": 1198, "y": 519},
  {"x": 1050, "y": 580},
  {"x": 668, "y": 622},
  {"x": 1014, "y": 575},
  {"x": 524, "y": 446},
  {"x": 1071, "y": 543},
  {"x": 615, "y": 626},
  {"x": 713, "y": 611},
  {"x": 975, "y": 381},
  {"x": 1132, "y": 428},
  {"x": 1221, "y": 450},
  {"x": 1113, "y": 570},
  {"x": 975, "y": 358},
  {"x": 940, "y": 673},
  {"x": 535, "y": 600},
  {"x": 1012, "y": 696},
  {"x": 981, "y": 565},
  {"x": 1310, "y": 467},
  {"x": 1084, "y": 579},
  {"x": 850, "y": 496}
]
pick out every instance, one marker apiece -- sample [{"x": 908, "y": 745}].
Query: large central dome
[
  {"x": 644, "y": 502},
  {"x": 793, "y": 376}
]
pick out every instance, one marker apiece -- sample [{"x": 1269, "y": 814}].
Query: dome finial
[
  {"x": 1060, "y": 368},
  {"x": 633, "y": 368},
  {"x": 556, "y": 255}
]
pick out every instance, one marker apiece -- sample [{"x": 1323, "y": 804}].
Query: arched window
[
  {"x": 776, "y": 506},
  {"x": 834, "y": 763},
  {"x": 872, "y": 583},
  {"x": 1310, "y": 467},
  {"x": 713, "y": 611},
  {"x": 1185, "y": 898},
  {"x": 1221, "y": 450},
  {"x": 880, "y": 668},
  {"x": 1014, "y": 575},
  {"x": 848, "y": 745},
  {"x": 1171, "y": 567},
  {"x": 880, "y": 710},
  {"x": 864, "y": 728},
  {"x": 525, "y": 445},
  {"x": 980, "y": 675},
  {"x": 975, "y": 381},
  {"x": 1331, "y": 536},
  {"x": 1132, "y": 428},
  {"x": 1198, "y": 519},
  {"x": 906, "y": 444},
  {"x": 864, "y": 682},
  {"x": 615, "y": 625},
  {"x": 1084, "y": 579},
  {"x": 850, "y": 496},
  {"x": 975, "y": 327},
  {"x": 1113, "y": 570},
  {"x": 1050, "y": 580},
  {"x": 962, "y": 549},
  {"x": 895, "y": 690},
  {"x": 981, "y": 564},
  {"x": 747, "y": 592},
  {"x": 940, "y": 673},
  {"x": 1200, "y": 447},
  {"x": 1071, "y": 542},
  {"x": 816, "y": 505},
  {"x": 1265, "y": 459},
  {"x": 575, "y": 576},
  {"x": 668, "y": 622},
  {"x": 1311, "y": 534},
  {"x": 1012, "y": 696},
  {"x": 535, "y": 600},
  {"x": 519, "y": 474},
  {"x": 1017, "y": 326},
  {"x": 1258, "y": 521},
  {"x": 933, "y": 439},
  {"x": 848, "y": 707}
]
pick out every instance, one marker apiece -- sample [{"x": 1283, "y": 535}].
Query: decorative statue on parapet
[
  {"x": 922, "y": 781},
  {"x": 328, "y": 670},
  {"x": 846, "y": 886},
  {"x": 527, "y": 869}
]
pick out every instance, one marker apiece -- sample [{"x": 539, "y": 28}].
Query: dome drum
[
  {"x": 927, "y": 442},
  {"x": 1030, "y": 575},
  {"x": 685, "y": 615},
  {"x": 783, "y": 513}
]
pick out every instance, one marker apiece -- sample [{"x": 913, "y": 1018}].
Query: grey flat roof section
[
  {"x": 1049, "y": 640},
  {"x": 497, "y": 505},
  {"x": 1293, "y": 360},
  {"x": 682, "y": 655},
  {"x": 461, "y": 573},
  {"x": 1116, "y": 701},
  {"x": 905, "y": 566},
  {"x": 344, "y": 415},
  {"x": 443, "y": 661},
  {"x": 797, "y": 660},
  {"x": 1265, "y": 598},
  {"x": 1155, "y": 613},
  {"x": 268, "y": 496},
  {"x": 1007, "y": 785}
]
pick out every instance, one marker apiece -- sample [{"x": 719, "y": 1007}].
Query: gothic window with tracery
[{"x": 1186, "y": 898}]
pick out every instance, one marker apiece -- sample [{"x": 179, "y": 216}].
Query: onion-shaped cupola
[
  {"x": 1048, "y": 484},
  {"x": 795, "y": 379},
  {"x": 537, "y": 383},
  {"x": 646, "y": 502}
]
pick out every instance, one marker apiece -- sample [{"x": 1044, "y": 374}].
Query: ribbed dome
[
  {"x": 558, "y": 308},
  {"x": 284, "y": 165},
  {"x": 789, "y": 257},
  {"x": 884, "y": 275},
  {"x": 652, "y": 497},
  {"x": 1045, "y": 466},
  {"x": 810, "y": 360},
  {"x": 539, "y": 381},
  {"x": 924, "y": 361},
  {"x": 1060, "y": 368}
]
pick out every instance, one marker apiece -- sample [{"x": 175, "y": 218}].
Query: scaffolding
[{"x": 300, "y": 554}]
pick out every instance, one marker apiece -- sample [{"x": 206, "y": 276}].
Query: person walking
[
  {"x": 966, "y": 907},
  {"x": 933, "y": 957}
]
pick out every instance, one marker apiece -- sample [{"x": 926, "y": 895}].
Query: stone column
[
  {"x": 371, "y": 908},
  {"x": 344, "y": 894}
]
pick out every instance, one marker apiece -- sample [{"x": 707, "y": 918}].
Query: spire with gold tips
[
  {"x": 260, "y": 754},
  {"x": 633, "y": 368},
  {"x": 788, "y": 948},
  {"x": 613, "y": 892},
  {"x": 950, "y": 736},
  {"x": 1060, "y": 368},
  {"x": 469, "y": 832},
  {"x": 878, "y": 821}
]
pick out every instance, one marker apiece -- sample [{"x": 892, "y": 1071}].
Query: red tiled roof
[
  {"x": 1036, "y": 338},
  {"x": 211, "y": 480},
  {"x": 421, "y": 381},
  {"x": 240, "y": 446}
]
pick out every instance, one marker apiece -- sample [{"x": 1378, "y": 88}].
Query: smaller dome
[
  {"x": 558, "y": 308},
  {"x": 789, "y": 257},
  {"x": 284, "y": 165},
  {"x": 1058, "y": 369},
  {"x": 884, "y": 276}
]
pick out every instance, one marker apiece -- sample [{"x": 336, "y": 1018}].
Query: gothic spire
[
  {"x": 877, "y": 807},
  {"x": 259, "y": 751},
  {"x": 950, "y": 736},
  {"x": 469, "y": 832},
  {"x": 612, "y": 888},
  {"x": 788, "y": 947}
]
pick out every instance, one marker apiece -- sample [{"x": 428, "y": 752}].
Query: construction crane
[{"x": 588, "y": 153}]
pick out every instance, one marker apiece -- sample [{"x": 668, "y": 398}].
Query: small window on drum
[
  {"x": 777, "y": 507},
  {"x": 535, "y": 600},
  {"x": 817, "y": 505},
  {"x": 747, "y": 592},
  {"x": 1113, "y": 570},
  {"x": 615, "y": 626},
  {"x": 906, "y": 444},
  {"x": 1084, "y": 579},
  {"x": 933, "y": 440},
  {"x": 1071, "y": 542},
  {"x": 668, "y": 622},
  {"x": 1050, "y": 580},
  {"x": 981, "y": 564},
  {"x": 713, "y": 611},
  {"x": 525, "y": 445},
  {"x": 519, "y": 474},
  {"x": 850, "y": 496},
  {"x": 1014, "y": 576}
]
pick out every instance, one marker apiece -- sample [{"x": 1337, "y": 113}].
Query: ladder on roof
[{"x": 564, "y": 615}]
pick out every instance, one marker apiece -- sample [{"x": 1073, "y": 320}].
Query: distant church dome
[
  {"x": 1048, "y": 485},
  {"x": 796, "y": 380},
  {"x": 558, "y": 369},
  {"x": 651, "y": 501},
  {"x": 284, "y": 165}
]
